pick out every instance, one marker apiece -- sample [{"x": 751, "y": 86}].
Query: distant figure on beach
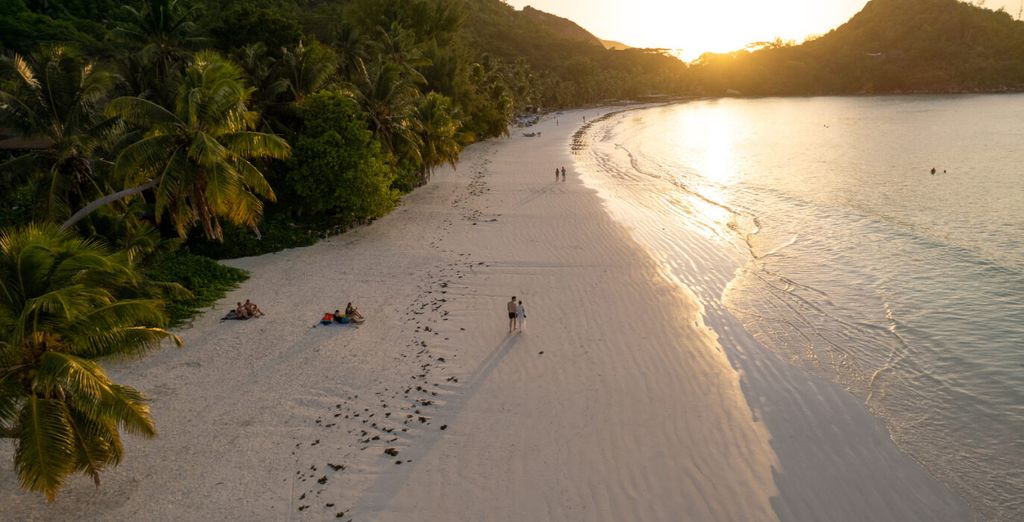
[
  {"x": 353, "y": 313},
  {"x": 326, "y": 319},
  {"x": 241, "y": 312},
  {"x": 520, "y": 315},
  {"x": 252, "y": 310},
  {"x": 511, "y": 314},
  {"x": 933, "y": 171},
  {"x": 556, "y": 174},
  {"x": 563, "y": 173},
  {"x": 584, "y": 118}
]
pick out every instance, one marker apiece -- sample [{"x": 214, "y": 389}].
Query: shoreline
[{"x": 586, "y": 415}]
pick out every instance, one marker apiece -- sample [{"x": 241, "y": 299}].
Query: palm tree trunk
[{"x": 110, "y": 198}]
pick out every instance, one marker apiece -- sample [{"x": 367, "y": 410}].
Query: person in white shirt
[{"x": 520, "y": 315}]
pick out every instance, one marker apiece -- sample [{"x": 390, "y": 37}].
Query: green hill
[
  {"x": 891, "y": 46},
  {"x": 569, "y": 66}
]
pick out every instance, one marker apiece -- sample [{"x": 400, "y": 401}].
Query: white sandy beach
[{"x": 617, "y": 402}]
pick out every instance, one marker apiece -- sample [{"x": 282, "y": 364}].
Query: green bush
[
  {"x": 337, "y": 169},
  {"x": 279, "y": 232},
  {"x": 16, "y": 206},
  {"x": 207, "y": 280}
]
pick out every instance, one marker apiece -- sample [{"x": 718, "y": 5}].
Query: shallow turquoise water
[{"x": 860, "y": 265}]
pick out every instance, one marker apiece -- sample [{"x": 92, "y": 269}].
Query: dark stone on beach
[
  {"x": 444, "y": 427},
  {"x": 329, "y": 505},
  {"x": 391, "y": 451},
  {"x": 302, "y": 497},
  {"x": 336, "y": 467},
  {"x": 423, "y": 419},
  {"x": 340, "y": 514},
  {"x": 322, "y": 480},
  {"x": 303, "y": 508},
  {"x": 540, "y": 353}
]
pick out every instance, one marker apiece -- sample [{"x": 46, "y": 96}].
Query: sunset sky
[{"x": 699, "y": 26}]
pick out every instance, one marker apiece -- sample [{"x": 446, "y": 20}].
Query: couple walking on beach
[
  {"x": 557, "y": 172},
  {"x": 516, "y": 315}
]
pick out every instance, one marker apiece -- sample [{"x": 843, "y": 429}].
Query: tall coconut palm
[
  {"x": 63, "y": 307},
  {"x": 53, "y": 101},
  {"x": 438, "y": 130},
  {"x": 161, "y": 32},
  {"x": 389, "y": 99},
  {"x": 305, "y": 69},
  {"x": 350, "y": 46},
  {"x": 197, "y": 157}
]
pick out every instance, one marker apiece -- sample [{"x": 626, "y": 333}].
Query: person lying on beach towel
[
  {"x": 252, "y": 310},
  {"x": 327, "y": 318},
  {"x": 238, "y": 314}
]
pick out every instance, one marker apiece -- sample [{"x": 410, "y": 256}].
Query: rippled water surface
[{"x": 856, "y": 262}]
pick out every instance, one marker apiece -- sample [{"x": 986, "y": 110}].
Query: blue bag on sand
[{"x": 344, "y": 320}]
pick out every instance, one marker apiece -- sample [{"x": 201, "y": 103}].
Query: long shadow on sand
[{"x": 390, "y": 482}]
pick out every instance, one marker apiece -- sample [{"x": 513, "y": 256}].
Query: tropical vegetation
[{"x": 65, "y": 303}]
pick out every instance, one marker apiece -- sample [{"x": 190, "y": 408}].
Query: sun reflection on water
[{"x": 707, "y": 140}]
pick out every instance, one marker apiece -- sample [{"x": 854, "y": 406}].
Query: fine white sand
[{"x": 616, "y": 402}]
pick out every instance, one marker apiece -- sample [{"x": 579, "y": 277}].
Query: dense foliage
[
  {"x": 339, "y": 168},
  {"x": 206, "y": 281}
]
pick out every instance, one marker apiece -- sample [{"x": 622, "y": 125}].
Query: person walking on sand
[
  {"x": 511, "y": 314},
  {"x": 520, "y": 315},
  {"x": 556, "y": 174},
  {"x": 563, "y": 172}
]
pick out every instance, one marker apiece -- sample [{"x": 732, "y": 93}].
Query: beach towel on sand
[{"x": 233, "y": 316}]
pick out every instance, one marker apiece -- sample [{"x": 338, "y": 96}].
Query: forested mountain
[
  {"x": 567, "y": 65},
  {"x": 891, "y": 46}
]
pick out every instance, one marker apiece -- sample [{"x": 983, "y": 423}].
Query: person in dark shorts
[{"x": 511, "y": 314}]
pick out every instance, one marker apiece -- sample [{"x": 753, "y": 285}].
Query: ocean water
[{"x": 825, "y": 232}]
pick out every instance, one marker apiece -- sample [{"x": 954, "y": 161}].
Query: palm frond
[
  {"x": 97, "y": 444},
  {"x": 144, "y": 158},
  {"x": 140, "y": 112},
  {"x": 25, "y": 72},
  {"x": 256, "y": 145},
  {"x": 45, "y": 449}
]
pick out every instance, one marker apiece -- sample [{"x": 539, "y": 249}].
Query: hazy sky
[{"x": 696, "y": 26}]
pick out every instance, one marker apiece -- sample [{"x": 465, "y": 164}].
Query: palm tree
[
  {"x": 306, "y": 69},
  {"x": 63, "y": 306},
  {"x": 53, "y": 102},
  {"x": 197, "y": 157},
  {"x": 350, "y": 46},
  {"x": 389, "y": 100},
  {"x": 161, "y": 32},
  {"x": 438, "y": 131}
]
